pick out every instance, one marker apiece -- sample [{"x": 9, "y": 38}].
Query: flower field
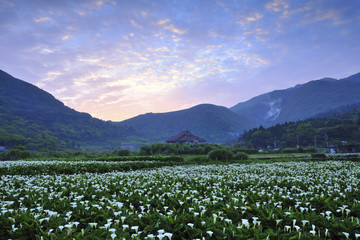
[
  {"x": 287, "y": 200},
  {"x": 88, "y": 166}
]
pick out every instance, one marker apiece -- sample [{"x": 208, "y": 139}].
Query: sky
[{"x": 116, "y": 59}]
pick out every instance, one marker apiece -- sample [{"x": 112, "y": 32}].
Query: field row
[
  {"x": 292, "y": 200},
  {"x": 72, "y": 167}
]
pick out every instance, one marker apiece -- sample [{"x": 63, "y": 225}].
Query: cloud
[
  {"x": 66, "y": 37},
  {"x": 119, "y": 59},
  {"x": 279, "y": 6},
  {"x": 163, "y": 22},
  {"x": 42, "y": 19},
  {"x": 255, "y": 17},
  {"x": 50, "y": 76},
  {"x": 324, "y": 15},
  {"x": 170, "y": 27},
  {"x": 173, "y": 29},
  {"x": 90, "y": 60}
]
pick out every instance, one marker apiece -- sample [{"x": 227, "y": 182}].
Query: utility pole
[
  {"x": 274, "y": 142},
  {"x": 315, "y": 143},
  {"x": 297, "y": 141},
  {"x": 326, "y": 137}
]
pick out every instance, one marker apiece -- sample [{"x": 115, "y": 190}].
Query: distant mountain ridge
[
  {"x": 301, "y": 102},
  {"x": 211, "y": 122},
  {"x": 33, "y": 117},
  {"x": 217, "y": 124}
]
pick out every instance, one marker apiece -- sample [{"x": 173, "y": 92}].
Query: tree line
[{"x": 319, "y": 132}]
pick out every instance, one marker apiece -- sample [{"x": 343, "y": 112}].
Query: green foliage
[
  {"x": 160, "y": 148},
  {"x": 32, "y": 117},
  {"x": 76, "y": 167},
  {"x": 145, "y": 151},
  {"x": 189, "y": 149},
  {"x": 346, "y": 157},
  {"x": 309, "y": 149},
  {"x": 342, "y": 127},
  {"x": 195, "y": 159},
  {"x": 170, "y": 158},
  {"x": 20, "y": 147},
  {"x": 222, "y": 155},
  {"x": 16, "y": 153},
  {"x": 290, "y": 150},
  {"x": 177, "y": 149},
  {"x": 240, "y": 156},
  {"x": 237, "y": 148},
  {"x": 123, "y": 152},
  {"x": 318, "y": 156}
]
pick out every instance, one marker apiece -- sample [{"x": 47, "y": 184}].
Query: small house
[
  {"x": 129, "y": 146},
  {"x": 185, "y": 137},
  {"x": 3, "y": 149},
  {"x": 349, "y": 148}
]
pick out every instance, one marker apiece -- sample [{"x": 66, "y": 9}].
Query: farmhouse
[
  {"x": 183, "y": 137},
  {"x": 129, "y": 146},
  {"x": 348, "y": 148}
]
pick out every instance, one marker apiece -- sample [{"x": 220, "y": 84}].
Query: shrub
[
  {"x": 352, "y": 157},
  {"x": 145, "y": 151},
  {"x": 290, "y": 150},
  {"x": 245, "y": 150},
  {"x": 159, "y": 148},
  {"x": 220, "y": 155},
  {"x": 81, "y": 167},
  {"x": 16, "y": 154},
  {"x": 318, "y": 156},
  {"x": 140, "y": 159},
  {"x": 309, "y": 149},
  {"x": 20, "y": 147},
  {"x": 197, "y": 159},
  {"x": 197, "y": 150},
  {"x": 123, "y": 152},
  {"x": 241, "y": 156}
]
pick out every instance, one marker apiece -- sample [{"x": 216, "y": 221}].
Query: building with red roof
[{"x": 183, "y": 137}]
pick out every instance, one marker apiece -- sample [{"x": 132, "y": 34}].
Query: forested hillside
[
  {"x": 337, "y": 128},
  {"x": 301, "y": 102},
  {"x": 215, "y": 124},
  {"x": 32, "y": 117}
]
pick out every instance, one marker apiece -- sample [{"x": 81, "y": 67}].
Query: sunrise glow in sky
[{"x": 116, "y": 59}]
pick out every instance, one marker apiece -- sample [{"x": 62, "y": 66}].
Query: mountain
[
  {"x": 213, "y": 123},
  {"x": 33, "y": 117},
  {"x": 341, "y": 129},
  {"x": 300, "y": 102}
]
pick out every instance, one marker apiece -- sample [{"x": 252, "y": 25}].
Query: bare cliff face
[
  {"x": 274, "y": 110},
  {"x": 301, "y": 102}
]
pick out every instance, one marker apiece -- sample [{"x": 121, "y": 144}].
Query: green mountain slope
[
  {"x": 32, "y": 117},
  {"x": 213, "y": 123},
  {"x": 340, "y": 127},
  {"x": 301, "y": 102}
]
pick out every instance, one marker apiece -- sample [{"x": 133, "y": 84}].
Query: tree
[
  {"x": 145, "y": 151},
  {"x": 222, "y": 155}
]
